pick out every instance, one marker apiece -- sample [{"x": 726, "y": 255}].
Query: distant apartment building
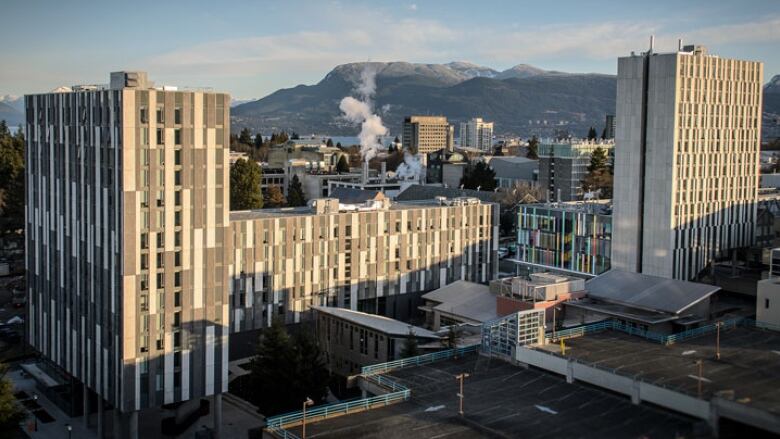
[
  {"x": 128, "y": 239},
  {"x": 376, "y": 257},
  {"x": 476, "y": 133},
  {"x": 563, "y": 164},
  {"x": 425, "y": 134},
  {"x": 609, "y": 127},
  {"x": 686, "y": 169},
  {"x": 513, "y": 170},
  {"x": 572, "y": 237}
]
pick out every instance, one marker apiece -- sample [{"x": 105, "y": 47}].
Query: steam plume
[{"x": 361, "y": 111}]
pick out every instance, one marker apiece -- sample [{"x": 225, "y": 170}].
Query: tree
[
  {"x": 510, "y": 198},
  {"x": 12, "y": 182},
  {"x": 592, "y": 134},
  {"x": 245, "y": 137},
  {"x": 11, "y": 413},
  {"x": 294, "y": 136},
  {"x": 245, "y": 179},
  {"x": 599, "y": 176},
  {"x": 342, "y": 166},
  {"x": 409, "y": 348},
  {"x": 479, "y": 176},
  {"x": 286, "y": 370},
  {"x": 604, "y": 134},
  {"x": 533, "y": 148},
  {"x": 274, "y": 197},
  {"x": 258, "y": 140},
  {"x": 498, "y": 151},
  {"x": 454, "y": 335},
  {"x": 329, "y": 143},
  {"x": 397, "y": 140},
  {"x": 295, "y": 195}
]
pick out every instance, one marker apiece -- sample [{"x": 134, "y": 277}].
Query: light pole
[
  {"x": 699, "y": 363},
  {"x": 460, "y": 394},
  {"x": 306, "y": 403},
  {"x": 70, "y": 430},
  {"x": 35, "y": 418},
  {"x": 717, "y": 340}
]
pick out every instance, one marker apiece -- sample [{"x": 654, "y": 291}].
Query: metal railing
[
  {"x": 416, "y": 361},
  {"x": 650, "y": 335},
  {"x": 397, "y": 392}
]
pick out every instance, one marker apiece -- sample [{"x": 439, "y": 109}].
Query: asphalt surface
[
  {"x": 748, "y": 370},
  {"x": 502, "y": 401}
]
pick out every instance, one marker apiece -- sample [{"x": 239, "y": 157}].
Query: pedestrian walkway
[{"x": 56, "y": 428}]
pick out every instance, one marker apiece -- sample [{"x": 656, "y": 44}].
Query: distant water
[{"x": 346, "y": 140}]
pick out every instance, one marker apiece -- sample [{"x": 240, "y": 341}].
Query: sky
[{"x": 252, "y": 48}]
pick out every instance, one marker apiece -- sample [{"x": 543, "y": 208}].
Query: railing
[
  {"x": 416, "y": 361},
  {"x": 396, "y": 393},
  {"x": 650, "y": 335}
]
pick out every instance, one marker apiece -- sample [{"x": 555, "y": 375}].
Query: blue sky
[{"x": 252, "y": 48}]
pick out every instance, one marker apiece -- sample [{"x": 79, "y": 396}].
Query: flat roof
[
  {"x": 748, "y": 371},
  {"x": 469, "y": 300},
  {"x": 501, "y": 400},
  {"x": 380, "y": 323},
  {"x": 651, "y": 293}
]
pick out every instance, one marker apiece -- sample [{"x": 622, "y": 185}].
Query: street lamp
[
  {"x": 70, "y": 429},
  {"x": 460, "y": 394},
  {"x": 306, "y": 403},
  {"x": 717, "y": 341},
  {"x": 35, "y": 418},
  {"x": 699, "y": 363}
]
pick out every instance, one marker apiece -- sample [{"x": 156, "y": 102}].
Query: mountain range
[
  {"x": 12, "y": 110},
  {"x": 522, "y": 100}
]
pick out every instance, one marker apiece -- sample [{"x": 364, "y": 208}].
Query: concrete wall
[{"x": 768, "y": 301}]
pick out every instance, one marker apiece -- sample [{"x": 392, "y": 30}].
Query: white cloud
[{"x": 413, "y": 7}]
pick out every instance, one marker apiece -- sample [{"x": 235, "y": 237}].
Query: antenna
[{"x": 679, "y": 44}]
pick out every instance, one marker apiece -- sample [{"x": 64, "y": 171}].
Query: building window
[
  {"x": 160, "y": 115},
  {"x": 160, "y": 136},
  {"x": 177, "y": 136},
  {"x": 766, "y": 303}
]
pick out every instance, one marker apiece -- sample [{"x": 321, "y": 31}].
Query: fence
[{"x": 396, "y": 393}]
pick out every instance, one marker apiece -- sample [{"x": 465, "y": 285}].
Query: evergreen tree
[
  {"x": 274, "y": 197},
  {"x": 409, "y": 348},
  {"x": 245, "y": 179},
  {"x": 12, "y": 182},
  {"x": 295, "y": 136},
  {"x": 11, "y": 413},
  {"x": 397, "y": 140},
  {"x": 497, "y": 151},
  {"x": 258, "y": 140},
  {"x": 454, "y": 335},
  {"x": 329, "y": 143},
  {"x": 599, "y": 176},
  {"x": 295, "y": 195},
  {"x": 479, "y": 176},
  {"x": 342, "y": 166},
  {"x": 338, "y": 145},
  {"x": 245, "y": 137},
  {"x": 604, "y": 134},
  {"x": 592, "y": 134},
  {"x": 533, "y": 148}
]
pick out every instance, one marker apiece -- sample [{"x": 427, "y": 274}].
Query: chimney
[
  {"x": 384, "y": 172},
  {"x": 679, "y": 44},
  {"x": 365, "y": 172},
  {"x": 652, "y": 43}
]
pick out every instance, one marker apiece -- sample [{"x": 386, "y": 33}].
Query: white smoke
[
  {"x": 411, "y": 168},
  {"x": 361, "y": 111}
]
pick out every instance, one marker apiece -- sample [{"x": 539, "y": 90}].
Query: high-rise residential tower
[
  {"x": 127, "y": 235},
  {"x": 476, "y": 133},
  {"x": 686, "y": 160},
  {"x": 425, "y": 134}
]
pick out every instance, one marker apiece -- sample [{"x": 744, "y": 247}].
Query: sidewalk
[{"x": 57, "y": 427}]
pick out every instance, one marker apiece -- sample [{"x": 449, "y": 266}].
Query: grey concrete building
[
  {"x": 563, "y": 164},
  {"x": 126, "y": 234},
  {"x": 686, "y": 168}
]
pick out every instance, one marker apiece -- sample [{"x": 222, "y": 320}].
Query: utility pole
[
  {"x": 460, "y": 395},
  {"x": 700, "y": 363},
  {"x": 306, "y": 403}
]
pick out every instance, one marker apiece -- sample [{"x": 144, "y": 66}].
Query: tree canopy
[
  {"x": 274, "y": 197},
  {"x": 245, "y": 137},
  {"x": 592, "y": 134},
  {"x": 409, "y": 348},
  {"x": 533, "y": 148},
  {"x": 343, "y": 165},
  {"x": 12, "y": 181},
  {"x": 245, "y": 179},
  {"x": 479, "y": 176},
  {"x": 295, "y": 195},
  {"x": 599, "y": 176},
  {"x": 286, "y": 371},
  {"x": 11, "y": 413}
]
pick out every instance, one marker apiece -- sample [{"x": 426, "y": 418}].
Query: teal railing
[
  {"x": 396, "y": 392},
  {"x": 650, "y": 335}
]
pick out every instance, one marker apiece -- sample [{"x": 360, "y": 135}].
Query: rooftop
[
  {"x": 418, "y": 192},
  {"x": 379, "y": 323},
  {"x": 597, "y": 207},
  {"x": 748, "y": 371},
  {"x": 465, "y": 299},
  {"x": 501, "y": 401},
  {"x": 645, "y": 292}
]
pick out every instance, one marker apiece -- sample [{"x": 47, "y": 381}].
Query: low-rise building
[
  {"x": 460, "y": 302},
  {"x": 445, "y": 167},
  {"x": 318, "y": 157},
  {"x": 768, "y": 294},
  {"x": 512, "y": 170},
  {"x": 571, "y": 238},
  {"x": 352, "y": 339},
  {"x": 540, "y": 291}
]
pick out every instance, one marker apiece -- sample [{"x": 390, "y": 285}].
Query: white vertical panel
[{"x": 209, "y": 360}]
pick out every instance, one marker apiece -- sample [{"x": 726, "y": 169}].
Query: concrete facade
[
  {"x": 424, "y": 134},
  {"x": 476, "y": 133},
  {"x": 686, "y": 169},
  {"x": 564, "y": 164}
]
